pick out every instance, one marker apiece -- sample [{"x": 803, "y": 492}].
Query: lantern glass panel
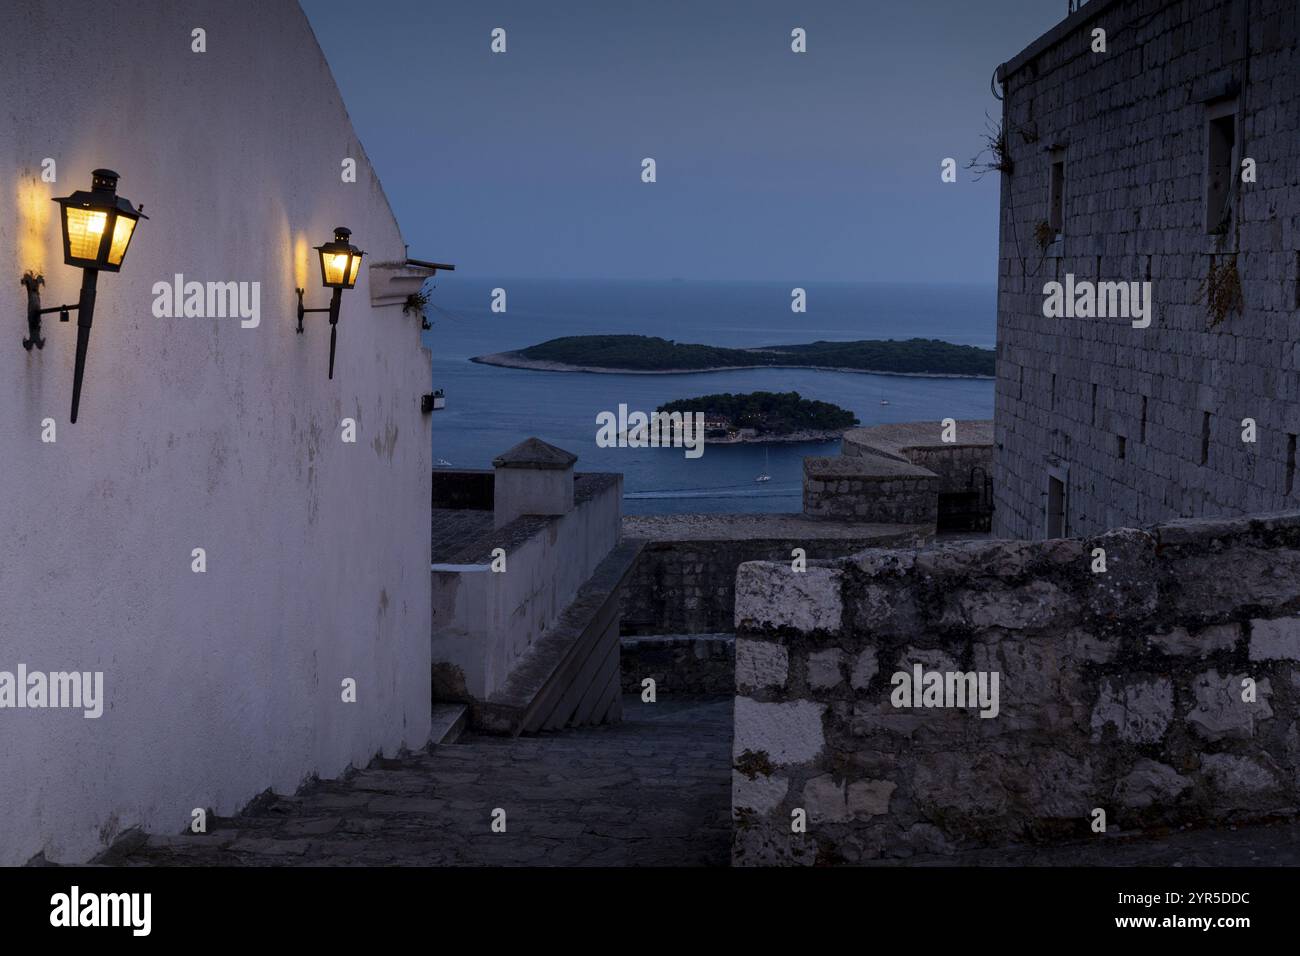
[
  {"x": 122, "y": 232},
  {"x": 334, "y": 266},
  {"x": 356, "y": 267},
  {"x": 85, "y": 229}
]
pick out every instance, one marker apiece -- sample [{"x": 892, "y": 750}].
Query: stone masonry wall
[
  {"x": 869, "y": 490},
  {"x": 689, "y": 587},
  {"x": 955, "y": 465},
  {"x": 1126, "y": 691},
  {"x": 1131, "y": 124},
  {"x": 681, "y": 665}
]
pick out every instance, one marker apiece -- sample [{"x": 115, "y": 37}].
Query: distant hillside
[
  {"x": 644, "y": 353},
  {"x": 776, "y": 413}
]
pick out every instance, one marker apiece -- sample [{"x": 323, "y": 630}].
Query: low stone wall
[
  {"x": 960, "y": 464},
  {"x": 1163, "y": 691},
  {"x": 681, "y": 665},
  {"x": 684, "y": 581},
  {"x": 869, "y": 488},
  {"x": 483, "y": 621},
  {"x": 959, "y": 467}
]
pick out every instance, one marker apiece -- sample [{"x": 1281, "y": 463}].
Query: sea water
[{"x": 491, "y": 408}]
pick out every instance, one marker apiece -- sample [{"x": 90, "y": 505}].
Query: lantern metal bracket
[
  {"x": 333, "y": 309},
  {"x": 33, "y": 281},
  {"x": 302, "y": 312}
]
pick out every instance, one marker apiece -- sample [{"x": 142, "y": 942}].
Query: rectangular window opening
[
  {"x": 1205, "y": 438},
  {"x": 1220, "y": 165},
  {"x": 1290, "y": 463},
  {"x": 1121, "y": 443},
  {"x": 1094, "y": 405},
  {"x": 1142, "y": 433},
  {"x": 1056, "y": 194},
  {"x": 1055, "y": 508}
]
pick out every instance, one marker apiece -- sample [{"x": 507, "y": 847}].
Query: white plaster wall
[
  {"x": 198, "y": 433},
  {"x": 493, "y": 619}
]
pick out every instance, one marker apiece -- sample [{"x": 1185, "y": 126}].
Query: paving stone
[{"x": 652, "y": 790}]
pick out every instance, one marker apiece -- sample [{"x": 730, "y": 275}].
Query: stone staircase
[{"x": 570, "y": 677}]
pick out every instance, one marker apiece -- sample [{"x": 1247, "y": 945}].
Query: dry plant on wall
[
  {"x": 1044, "y": 234},
  {"x": 994, "y": 155},
  {"x": 1221, "y": 290},
  {"x": 416, "y": 303}
]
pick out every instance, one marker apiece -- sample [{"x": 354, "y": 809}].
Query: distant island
[
  {"x": 765, "y": 416},
  {"x": 652, "y": 355}
]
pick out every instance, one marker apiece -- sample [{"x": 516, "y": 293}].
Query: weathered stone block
[
  {"x": 1220, "y": 712},
  {"x": 1237, "y": 776},
  {"x": 824, "y": 668},
  {"x": 788, "y": 733},
  {"x": 770, "y": 596},
  {"x": 760, "y": 664},
  {"x": 1275, "y": 639},
  {"x": 1202, "y": 643},
  {"x": 1037, "y": 605},
  {"x": 761, "y": 794},
  {"x": 1140, "y": 711},
  {"x": 865, "y": 668},
  {"x": 1148, "y": 783},
  {"x": 829, "y": 802}
]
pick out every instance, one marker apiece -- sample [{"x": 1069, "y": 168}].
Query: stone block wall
[
  {"x": 869, "y": 489},
  {"x": 689, "y": 586},
  {"x": 1118, "y": 413},
  {"x": 1163, "y": 691},
  {"x": 954, "y": 464},
  {"x": 681, "y": 665}
]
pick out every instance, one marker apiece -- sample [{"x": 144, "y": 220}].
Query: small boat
[
  {"x": 884, "y": 401},
  {"x": 442, "y": 463},
  {"x": 765, "y": 476}
]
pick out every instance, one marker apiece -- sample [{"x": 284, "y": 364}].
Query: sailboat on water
[{"x": 766, "y": 462}]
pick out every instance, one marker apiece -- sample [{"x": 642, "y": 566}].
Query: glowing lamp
[
  {"x": 98, "y": 224},
  {"x": 97, "y": 229},
  {"x": 340, "y": 263}
]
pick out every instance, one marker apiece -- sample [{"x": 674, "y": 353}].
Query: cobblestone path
[{"x": 653, "y": 790}]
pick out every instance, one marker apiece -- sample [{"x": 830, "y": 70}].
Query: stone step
[
  {"x": 569, "y": 677},
  {"x": 449, "y": 722}
]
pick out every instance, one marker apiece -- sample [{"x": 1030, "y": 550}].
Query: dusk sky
[{"x": 771, "y": 165}]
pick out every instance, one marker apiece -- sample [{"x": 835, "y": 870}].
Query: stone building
[{"x": 1169, "y": 158}]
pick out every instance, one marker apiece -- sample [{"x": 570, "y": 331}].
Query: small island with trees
[
  {"x": 653, "y": 355},
  {"x": 765, "y": 416}
]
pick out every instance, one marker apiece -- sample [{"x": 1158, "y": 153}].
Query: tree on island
[{"x": 774, "y": 413}]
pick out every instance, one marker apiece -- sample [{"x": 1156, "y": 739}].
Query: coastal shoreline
[
  {"x": 516, "y": 360},
  {"x": 809, "y": 436}
]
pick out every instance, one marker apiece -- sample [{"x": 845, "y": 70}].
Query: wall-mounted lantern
[
  {"x": 340, "y": 263},
  {"x": 97, "y": 229}
]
